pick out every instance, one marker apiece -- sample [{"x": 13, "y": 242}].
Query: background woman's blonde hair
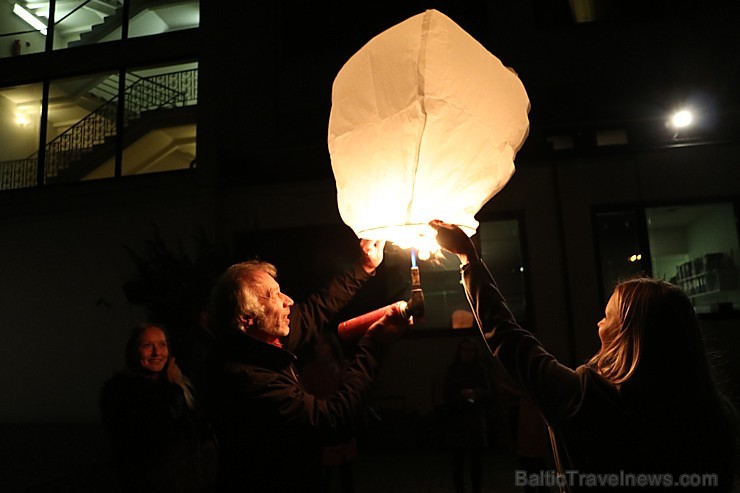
[{"x": 656, "y": 325}]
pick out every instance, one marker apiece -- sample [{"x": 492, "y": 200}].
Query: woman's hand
[{"x": 453, "y": 239}]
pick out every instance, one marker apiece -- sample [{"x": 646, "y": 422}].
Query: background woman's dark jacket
[{"x": 161, "y": 445}]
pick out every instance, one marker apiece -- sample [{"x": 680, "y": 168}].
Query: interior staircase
[
  {"x": 149, "y": 103},
  {"x": 93, "y": 21}
]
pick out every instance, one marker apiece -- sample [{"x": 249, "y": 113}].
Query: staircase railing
[
  {"x": 177, "y": 89},
  {"x": 18, "y": 173}
]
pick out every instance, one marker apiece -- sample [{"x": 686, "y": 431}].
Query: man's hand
[
  {"x": 453, "y": 239},
  {"x": 391, "y": 326},
  {"x": 372, "y": 254}
]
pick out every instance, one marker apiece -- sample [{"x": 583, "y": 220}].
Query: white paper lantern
[{"x": 424, "y": 124}]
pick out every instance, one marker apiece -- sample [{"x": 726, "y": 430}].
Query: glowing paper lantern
[{"x": 425, "y": 124}]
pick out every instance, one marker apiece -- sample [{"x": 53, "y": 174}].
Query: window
[
  {"x": 693, "y": 246},
  {"x": 83, "y": 22},
  {"x": 17, "y": 35},
  {"x": 147, "y": 18},
  {"x": 696, "y": 247},
  {"x": 82, "y": 141},
  {"x": 20, "y": 124},
  {"x": 24, "y": 24},
  {"x": 160, "y": 126},
  {"x": 82, "y": 126},
  {"x": 619, "y": 247},
  {"x": 500, "y": 245}
]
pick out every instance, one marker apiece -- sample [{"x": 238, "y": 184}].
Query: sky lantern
[{"x": 425, "y": 124}]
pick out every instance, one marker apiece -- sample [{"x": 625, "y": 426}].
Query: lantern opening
[{"x": 419, "y": 237}]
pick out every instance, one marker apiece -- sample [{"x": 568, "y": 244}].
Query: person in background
[
  {"x": 321, "y": 375},
  {"x": 270, "y": 429},
  {"x": 160, "y": 440},
  {"x": 644, "y": 407},
  {"x": 467, "y": 395}
]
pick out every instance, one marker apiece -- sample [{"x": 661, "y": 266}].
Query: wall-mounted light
[
  {"x": 31, "y": 19},
  {"x": 22, "y": 120},
  {"x": 682, "y": 119},
  {"x": 635, "y": 257}
]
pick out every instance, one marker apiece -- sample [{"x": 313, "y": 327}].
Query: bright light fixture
[
  {"x": 682, "y": 119},
  {"x": 31, "y": 19},
  {"x": 22, "y": 120}
]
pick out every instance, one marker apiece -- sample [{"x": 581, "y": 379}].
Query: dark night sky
[{"x": 635, "y": 62}]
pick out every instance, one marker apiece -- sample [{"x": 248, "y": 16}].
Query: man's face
[
  {"x": 153, "y": 351},
  {"x": 276, "y": 322}
]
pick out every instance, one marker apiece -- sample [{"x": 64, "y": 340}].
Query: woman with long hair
[
  {"x": 160, "y": 442},
  {"x": 644, "y": 412}
]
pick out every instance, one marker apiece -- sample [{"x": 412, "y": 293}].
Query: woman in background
[{"x": 159, "y": 440}]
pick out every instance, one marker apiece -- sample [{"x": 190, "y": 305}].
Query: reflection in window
[
  {"x": 696, "y": 247},
  {"x": 445, "y": 302},
  {"x": 501, "y": 248},
  {"x": 20, "y": 117},
  {"x": 444, "y": 298},
  {"x": 618, "y": 248}
]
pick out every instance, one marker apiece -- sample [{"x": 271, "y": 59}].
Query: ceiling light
[{"x": 31, "y": 19}]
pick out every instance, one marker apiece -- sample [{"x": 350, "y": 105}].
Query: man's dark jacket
[{"x": 270, "y": 429}]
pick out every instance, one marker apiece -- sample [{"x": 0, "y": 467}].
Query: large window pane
[
  {"x": 82, "y": 127},
  {"x": 147, "y": 18},
  {"x": 20, "y": 124},
  {"x": 501, "y": 248},
  {"x": 618, "y": 248},
  {"x": 17, "y": 35},
  {"x": 696, "y": 247},
  {"x": 160, "y": 124},
  {"x": 445, "y": 305},
  {"x": 84, "y": 22}
]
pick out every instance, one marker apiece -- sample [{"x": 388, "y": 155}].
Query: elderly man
[{"x": 270, "y": 429}]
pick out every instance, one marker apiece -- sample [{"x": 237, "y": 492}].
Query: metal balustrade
[{"x": 68, "y": 149}]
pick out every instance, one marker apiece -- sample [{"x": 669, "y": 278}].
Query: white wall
[
  {"x": 16, "y": 141},
  {"x": 11, "y": 23}
]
